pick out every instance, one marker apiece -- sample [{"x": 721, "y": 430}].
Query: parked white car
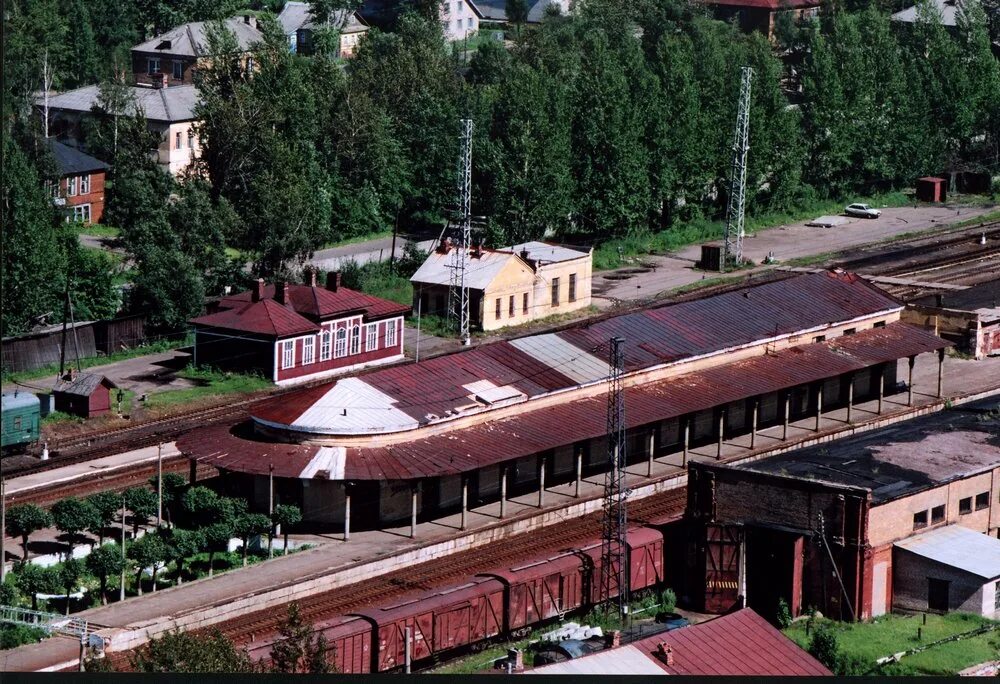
[{"x": 862, "y": 211}]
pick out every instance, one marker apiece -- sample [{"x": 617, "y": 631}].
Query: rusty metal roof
[
  {"x": 438, "y": 389},
  {"x": 467, "y": 449}
]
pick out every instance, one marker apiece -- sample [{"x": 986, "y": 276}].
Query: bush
[
  {"x": 668, "y": 600},
  {"x": 824, "y": 648},
  {"x": 12, "y": 636},
  {"x": 784, "y": 617}
]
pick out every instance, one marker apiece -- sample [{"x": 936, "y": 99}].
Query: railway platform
[{"x": 346, "y": 567}]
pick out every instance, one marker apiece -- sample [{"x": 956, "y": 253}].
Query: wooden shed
[
  {"x": 932, "y": 189},
  {"x": 83, "y": 394}
]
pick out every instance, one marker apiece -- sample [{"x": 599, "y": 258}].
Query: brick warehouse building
[
  {"x": 826, "y": 526},
  {"x": 476, "y": 426},
  {"x": 293, "y": 333}
]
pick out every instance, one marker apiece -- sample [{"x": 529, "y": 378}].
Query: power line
[{"x": 735, "y": 228}]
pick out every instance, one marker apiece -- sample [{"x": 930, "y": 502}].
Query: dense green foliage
[{"x": 612, "y": 123}]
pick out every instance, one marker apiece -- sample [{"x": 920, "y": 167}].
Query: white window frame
[
  {"x": 355, "y": 339},
  {"x": 71, "y": 186},
  {"x": 309, "y": 350},
  {"x": 178, "y": 141},
  {"x": 371, "y": 337},
  {"x": 390, "y": 333},
  {"x": 468, "y": 22},
  {"x": 287, "y": 350},
  {"x": 81, "y": 213},
  {"x": 85, "y": 184},
  {"x": 340, "y": 346},
  {"x": 152, "y": 65},
  {"x": 325, "y": 345}
]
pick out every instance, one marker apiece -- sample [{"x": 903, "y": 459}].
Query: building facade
[
  {"x": 509, "y": 286},
  {"x": 79, "y": 187},
  {"x": 297, "y": 23},
  {"x": 762, "y": 15},
  {"x": 293, "y": 333}
]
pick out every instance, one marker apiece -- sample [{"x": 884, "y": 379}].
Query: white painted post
[
  {"x": 541, "y": 481},
  {"x": 413, "y": 513},
  {"x": 121, "y": 589},
  {"x": 159, "y": 484},
  {"x": 347, "y": 514},
  {"x": 503, "y": 491},
  {"x": 687, "y": 441},
  {"x": 408, "y": 649},
  {"x": 940, "y": 386},
  {"x": 909, "y": 384},
  {"x": 788, "y": 415},
  {"x": 722, "y": 427},
  {"x": 579, "y": 471},
  {"x": 753, "y": 425},
  {"x": 881, "y": 388},
  {"x": 270, "y": 511},
  {"x": 652, "y": 451},
  {"x": 465, "y": 501},
  {"x": 850, "y": 397},
  {"x": 819, "y": 405}
]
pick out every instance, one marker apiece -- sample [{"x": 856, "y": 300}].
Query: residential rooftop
[
  {"x": 170, "y": 105},
  {"x": 191, "y": 39},
  {"x": 298, "y": 15},
  {"x": 71, "y": 161},
  {"x": 904, "y": 458}
]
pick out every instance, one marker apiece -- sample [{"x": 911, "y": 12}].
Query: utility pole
[
  {"x": 459, "y": 295},
  {"x": 614, "y": 557},
  {"x": 3, "y": 525},
  {"x": 76, "y": 338},
  {"x": 62, "y": 343},
  {"x": 121, "y": 589},
  {"x": 270, "y": 510},
  {"x": 159, "y": 484},
  {"x": 735, "y": 229}
]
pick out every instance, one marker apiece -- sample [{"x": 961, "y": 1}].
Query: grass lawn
[
  {"x": 607, "y": 255},
  {"x": 894, "y": 633},
  {"x": 210, "y": 384},
  {"x": 95, "y": 230}
]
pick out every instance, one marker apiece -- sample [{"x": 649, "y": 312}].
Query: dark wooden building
[{"x": 83, "y": 394}]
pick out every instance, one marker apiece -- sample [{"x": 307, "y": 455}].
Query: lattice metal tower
[
  {"x": 733, "y": 252},
  {"x": 614, "y": 556},
  {"x": 459, "y": 294}
]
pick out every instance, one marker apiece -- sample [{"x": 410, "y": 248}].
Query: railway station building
[
  {"x": 858, "y": 527},
  {"x": 421, "y": 440}
]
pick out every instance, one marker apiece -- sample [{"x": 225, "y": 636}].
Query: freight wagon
[{"x": 504, "y": 602}]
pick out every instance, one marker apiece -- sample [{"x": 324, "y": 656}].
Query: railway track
[{"x": 436, "y": 573}]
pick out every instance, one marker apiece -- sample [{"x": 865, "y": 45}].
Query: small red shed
[
  {"x": 83, "y": 394},
  {"x": 932, "y": 189}
]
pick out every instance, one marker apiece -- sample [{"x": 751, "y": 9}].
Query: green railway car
[{"x": 21, "y": 417}]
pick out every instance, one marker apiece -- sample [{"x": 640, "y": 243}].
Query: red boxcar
[
  {"x": 645, "y": 560},
  {"x": 438, "y": 621},
  {"x": 348, "y": 638},
  {"x": 542, "y": 589}
]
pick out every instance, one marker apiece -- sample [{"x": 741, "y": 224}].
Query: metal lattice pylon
[
  {"x": 614, "y": 556},
  {"x": 459, "y": 293},
  {"x": 733, "y": 251}
]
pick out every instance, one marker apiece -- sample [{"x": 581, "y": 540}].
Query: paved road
[
  {"x": 363, "y": 252},
  {"x": 791, "y": 241}
]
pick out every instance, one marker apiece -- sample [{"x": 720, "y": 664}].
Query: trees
[
  {"x": 33, "y": 580},
  {"x": 182, "y": 544},
  {"x": 823, "y": 647},
  {"x": 214, "y": 516},
  {"x": 147, "y": 552},
  {"x": 106, "y": 506},
  {"x": 142, "y": 502},
  {"x": 72, "y": 516},
  {"x": 185, "y": 652},
  {"x": 249, "y": 525},
  {"x": 23, "y": 520},
  {"x": 286, "y": 515},
  {"x": 173, "y": 487},
  {"x": 298, "y": 650},
  {"x": 70, "y": 573},
  {"x": 103, "y": 562}
]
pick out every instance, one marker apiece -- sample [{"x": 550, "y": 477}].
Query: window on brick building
[
  {"x": 71, "y": 186},
  {"x": 81, "y": 213},
  {"x": 982, "y": 501},
  {"x": 371, "y": 336},
  {"x": 325, "y": 344},
  {"x": 340, "y": 349},
  {"x": 919, "y": 520},
  {"x": 965, "y": 505},
  {"x": 308, "y": 350},
  {"x": 85, "y": 184},
  {"x": 937, "y": 514},
  {"x": 152, "y": 65},
  {"x": 390, "y": 333},
  {"x": 356, "y": 339}
]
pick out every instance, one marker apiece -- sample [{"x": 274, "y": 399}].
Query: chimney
[
  {"x": 524, "y": 254},
  {"x": 445, "y": 246},
  {"x": 311, "y": 277},
  {"x": 614, "y": 639},
  {"x": 665, "y": 652},
  {"x": 940, "y": 300},
  {"x": 159, "y": 79},
  {"x": 280, "y": 295},
  {"x": 333, "y": 281},
  {"x": 247, "y": 19},
  {"x": 258, "y": 291}
]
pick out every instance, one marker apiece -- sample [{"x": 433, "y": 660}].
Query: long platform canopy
[
  {"x": 491, "y": 376},
  {"x": 496, "y": 441}
]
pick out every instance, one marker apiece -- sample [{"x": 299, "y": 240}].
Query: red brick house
[
  {"x": 83, "y": 394},
  {"x": 762, "y": 15},
  {"x": 80, "y": 184},
  {"x": 292, "y": 333}
]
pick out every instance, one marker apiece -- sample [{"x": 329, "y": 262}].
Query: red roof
[
  {"x": 266, "y": 317},
  {"x": 463, "y": 450},
  {"x": 307, "y": 306},
  {"x": 739, "y": 644}
]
